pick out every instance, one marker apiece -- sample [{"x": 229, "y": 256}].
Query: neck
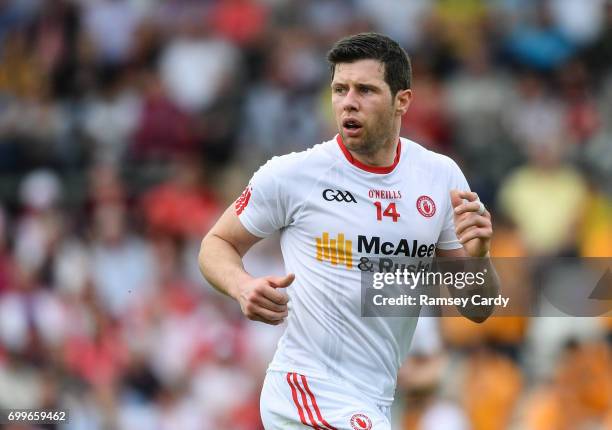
[
  {"x": 386, "y": 165},
  {"x": 383, "y": 156}
]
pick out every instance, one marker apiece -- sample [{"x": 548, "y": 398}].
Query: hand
[
  {"x": 261, "y": 300},
  {"x": 474, "y": 231}
]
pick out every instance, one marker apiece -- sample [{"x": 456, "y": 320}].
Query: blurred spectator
[
  {"x": 545, "y": 199},
  {"x": 428, "y": 122},
  {"x": 163, "y": 130},
  {"x": 538, "y": 42},
  {"x": 31, "y": 319},
  {"x": 584, "y": 374},
  {"x": 51, "y": 40},
  {"x": 30, "y": 119},
  {"x": 328, "y": 18},
  {"x": 545, "y": 412},
  {"x": 209, "y": 383},
  {"x": 111, "y": 117},
  {"x": 399, "y": 20},
  {"x": 20, "y": 384},
  {"x": 20, "y": 73},
  {"x": 39, "y": 228},
  {"x": 582, "y": 119},
  {"x": 105, "y": 186},
  {"x": 121, "y": 262},
  {"x": 501, "y": 380},
  {"x": 597, "y": 158},
  {"x": 148, "y": 40},
  {"x": 420, "y": 379},
  {"x": 182, "y": 206},
  {"x": 436, "y": 414},
  {"x": 196, "y": 65},
  {"x": 97, "y": 356},
  {"x": 111, "y": 24},
  {"x": 15, "y": 13},
  {"x": 595, "y": 235},
  {"x": 277, "y": 110},
  {"x": 35, "y": 124},
  {"x": 531, "y": 115},
  {"x": 478, "y": 97},
  {"x": 599, "y": 53},
  {"x": 76, "y": 64},
  {"x": 242, "y": 22},
  {"x": 460, "y": 22},
  {"x": 580, "y": 21},
  {"x": 579, "y": 394}
]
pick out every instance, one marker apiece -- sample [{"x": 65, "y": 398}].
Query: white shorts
[{"x": 293, "y": 401}]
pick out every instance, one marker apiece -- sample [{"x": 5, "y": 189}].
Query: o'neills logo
[{"x": 385, "y": 194}]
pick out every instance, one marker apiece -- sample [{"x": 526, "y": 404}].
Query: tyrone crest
[
  {"x": 361, "y": 422},
  {"x": 426, "y": 206}
]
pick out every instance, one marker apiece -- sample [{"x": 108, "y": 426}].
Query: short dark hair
[{"x": 364, "y": 46}]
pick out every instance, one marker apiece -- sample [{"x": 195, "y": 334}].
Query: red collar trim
[{"x": 367, "y": 168}]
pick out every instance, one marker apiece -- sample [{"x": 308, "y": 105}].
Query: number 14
[{"x": 390, "y": 211}]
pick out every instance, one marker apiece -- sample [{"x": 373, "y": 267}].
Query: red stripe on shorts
[
  {"x": 295, "y": 400},
  {"x": 305, "y": 402},
  {"x": 314, "y": 403}
]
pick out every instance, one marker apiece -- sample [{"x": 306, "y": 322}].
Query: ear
[{"x": 402, "y": 101}]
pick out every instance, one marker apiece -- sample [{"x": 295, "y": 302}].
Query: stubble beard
[{"x": 374, "y": 139}]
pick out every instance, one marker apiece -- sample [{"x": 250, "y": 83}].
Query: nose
[{"x": 350, "y": 102}]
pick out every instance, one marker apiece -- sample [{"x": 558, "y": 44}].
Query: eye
[
  {"x": 338, "y": 90},
  {"x": 365, "y": 90}
]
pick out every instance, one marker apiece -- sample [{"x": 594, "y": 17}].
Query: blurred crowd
[{"x": 127, "y": 126}]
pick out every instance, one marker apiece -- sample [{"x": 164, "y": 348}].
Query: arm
[
  {"x": 474, "y": 232},
  {"x": 220, "y": 261}
]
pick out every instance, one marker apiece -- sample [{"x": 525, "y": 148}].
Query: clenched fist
[
  {"x": 473, "y": 230},
  {"x": 262, "y": 299}
]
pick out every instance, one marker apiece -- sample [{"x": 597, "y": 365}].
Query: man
[{"x": 338, "y": 205}]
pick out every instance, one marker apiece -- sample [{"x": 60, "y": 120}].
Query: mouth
[{"x": 351, "y": 127}]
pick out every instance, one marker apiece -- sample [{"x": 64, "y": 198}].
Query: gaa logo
[
  {"x": 338, "y": 196},
  {"x": 426, "y": 206},
  {"x": 361, "y": 422}
]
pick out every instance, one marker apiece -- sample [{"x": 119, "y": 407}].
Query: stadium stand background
[{"x": 127, "y": 126}]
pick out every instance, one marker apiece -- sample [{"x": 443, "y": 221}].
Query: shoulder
[
  {"x": 429, "y": 161},
  {"x": 298, "y": 164}
]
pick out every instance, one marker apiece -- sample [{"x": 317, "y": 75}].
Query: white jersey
[{"x": 337, "y": 215}]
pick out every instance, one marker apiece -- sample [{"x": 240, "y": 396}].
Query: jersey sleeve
[
  {"x": 262, "y": 206},
  {"x": 448, "y": 238}
]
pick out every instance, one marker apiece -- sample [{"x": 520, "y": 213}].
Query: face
[{"x": 367, "y": 115}]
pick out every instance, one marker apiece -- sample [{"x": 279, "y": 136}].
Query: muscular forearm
[
  {"x": 260, "y": 299},
  {"x": 221, "y": 265},
  {"x": 489, "y": 289}
]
